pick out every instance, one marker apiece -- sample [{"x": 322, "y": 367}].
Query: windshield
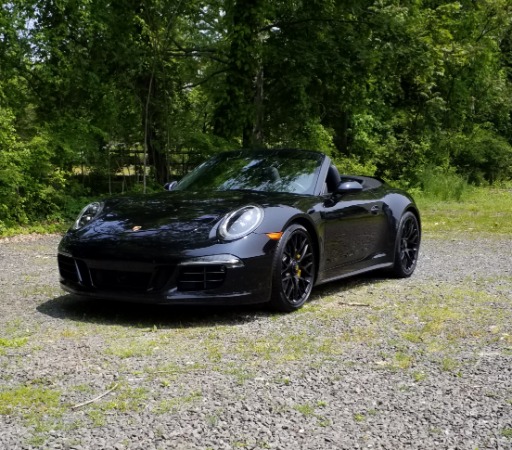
[{"x": 267, "y": 171}]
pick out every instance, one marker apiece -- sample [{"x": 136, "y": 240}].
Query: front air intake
[{"x": 201, "y": 277}]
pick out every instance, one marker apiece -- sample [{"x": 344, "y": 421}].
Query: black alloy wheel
[
  {"x": 293, "y": 269},
  {"x": 407, "y": 246}
]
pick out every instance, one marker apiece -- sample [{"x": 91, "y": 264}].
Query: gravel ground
[{"x": 371, "y": 362}]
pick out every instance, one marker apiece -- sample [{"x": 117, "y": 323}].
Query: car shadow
[{"x": 105, "y": 312}]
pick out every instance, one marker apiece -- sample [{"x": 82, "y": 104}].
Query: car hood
[{"x": 177, "y": 216}]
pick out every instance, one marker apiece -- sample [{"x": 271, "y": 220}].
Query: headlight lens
[
  {"x": 89, "y": 213},
  {"x": 240, "y": 223}
]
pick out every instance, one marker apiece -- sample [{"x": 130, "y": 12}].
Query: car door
[{"x": 353, "y": 226}]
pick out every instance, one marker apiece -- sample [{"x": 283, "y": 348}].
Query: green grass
[
  {"x": 173, "y": 370},
  {"x": 125, "y": 398},
  {"x": 280, "y": 348},
  {"x": 122, "y": 399},
  {"x": 6, "y": 343},
  {"x": 306, "y": 409},
  {"x": 35, "y": 228},
  {"x": 419, "y": 376},
  {"x": 311, "y": 410},
  {"x": 175, "y": 404},
  {"x": 480, "y": 210},
  {"x": 33, "y": 403},
  {"x": 359, "y": 417},
  {"x": 13, "y": 343},
  {"x": 132, "y": 349},
  {"x": 42, "y": 290}
]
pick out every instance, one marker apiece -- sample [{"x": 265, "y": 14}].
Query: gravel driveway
[{"x": 370, "y": 362}]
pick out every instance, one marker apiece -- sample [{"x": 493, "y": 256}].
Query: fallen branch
[
  {"x": 355, "y": 304},
  {"x": 158, "y": 372},
  {"x": 79, "y": 405}
]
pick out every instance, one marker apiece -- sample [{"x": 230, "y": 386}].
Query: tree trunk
[
  {"x": 239, "y": 111},
  {"x": 341, "y": 132},
  {"x": 154, "y": 125}
]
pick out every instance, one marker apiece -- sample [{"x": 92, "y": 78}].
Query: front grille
[
  {"x": 201, "y": 277},
  {"x": 101, "y": 275}
]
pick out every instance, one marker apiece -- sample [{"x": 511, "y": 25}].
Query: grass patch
[
  {"x": 124, "y": 399},
  {"x": 42, "y": 290},
  {"x": 173, "y": 369},
  {"x": 280, "y": 347},
  {"x": 29, "y": 400},
  {"x": 57, "y": 227},
  {"x": 13, "y": 343},
  {"x": 448, "y": 314},
  {"x": 176, "y": 404},
  {"x": 480, "y": 210},
  {"x": 448, "y": 364},
  {"x": 133, "y": 348},
  {"x": 311, "y": 410},
  {"x": 419, "y": 376},
  {"x": 403, "y": 361},
  {"x": 240, "y": 373},
  {"x": 6, "y": 343},
  {"x": 359, "y": 417}
]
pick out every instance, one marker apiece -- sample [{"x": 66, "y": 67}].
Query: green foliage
[
  {"x": 353, "y": 165},
  {"x": 311, "y": 135},
  {"x": 442, "y": 184},
  {"x": 32, "y": 186},
  {"x": 483, "y": 156},
  {"x": 418, "y": 92}
]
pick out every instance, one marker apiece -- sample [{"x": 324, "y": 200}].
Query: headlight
[
  {"x": 240, "y": 223},
  {"x": 89, "y": 213}
]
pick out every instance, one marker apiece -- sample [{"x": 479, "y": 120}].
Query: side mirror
[
  {"x": 349, "y": 187},
  {"x": 170, "y": 186}
]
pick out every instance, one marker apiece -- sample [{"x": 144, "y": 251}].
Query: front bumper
[{"x": 210, "y": 279}]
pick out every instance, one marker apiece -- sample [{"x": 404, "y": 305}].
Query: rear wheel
[
  {"x": 407, "y": 246},
  {"x": 293, "y": 269}
]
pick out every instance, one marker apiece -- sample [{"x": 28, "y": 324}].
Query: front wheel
[
  {"x": 407, "y": 246},
  {"x": 293, "y": 269}
]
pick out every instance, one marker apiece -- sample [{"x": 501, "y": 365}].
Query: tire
[
  {"x": 407, "y": 246},
  {"x": 293, "y": 270}
]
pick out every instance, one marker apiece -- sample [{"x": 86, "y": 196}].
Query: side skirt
[{"x": 356, "y": 272}]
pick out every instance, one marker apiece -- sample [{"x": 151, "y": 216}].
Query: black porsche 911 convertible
[{"x": 243, "y": 227}]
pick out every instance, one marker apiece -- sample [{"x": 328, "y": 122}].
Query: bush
[
  {"x": 32, "y": 187},
  {"x": 442, "y": 184},
  {"x": 481, "y": 156}
]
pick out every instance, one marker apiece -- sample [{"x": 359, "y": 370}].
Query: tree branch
[
  {"x": 197, "y": 49},
  {"x": 284, "y": 24},
  {"x": 197, "y": 53},
  {"x": 204, "y": 80}
]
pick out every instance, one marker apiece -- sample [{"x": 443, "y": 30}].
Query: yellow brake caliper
[{"x": 298, "y": 270}]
